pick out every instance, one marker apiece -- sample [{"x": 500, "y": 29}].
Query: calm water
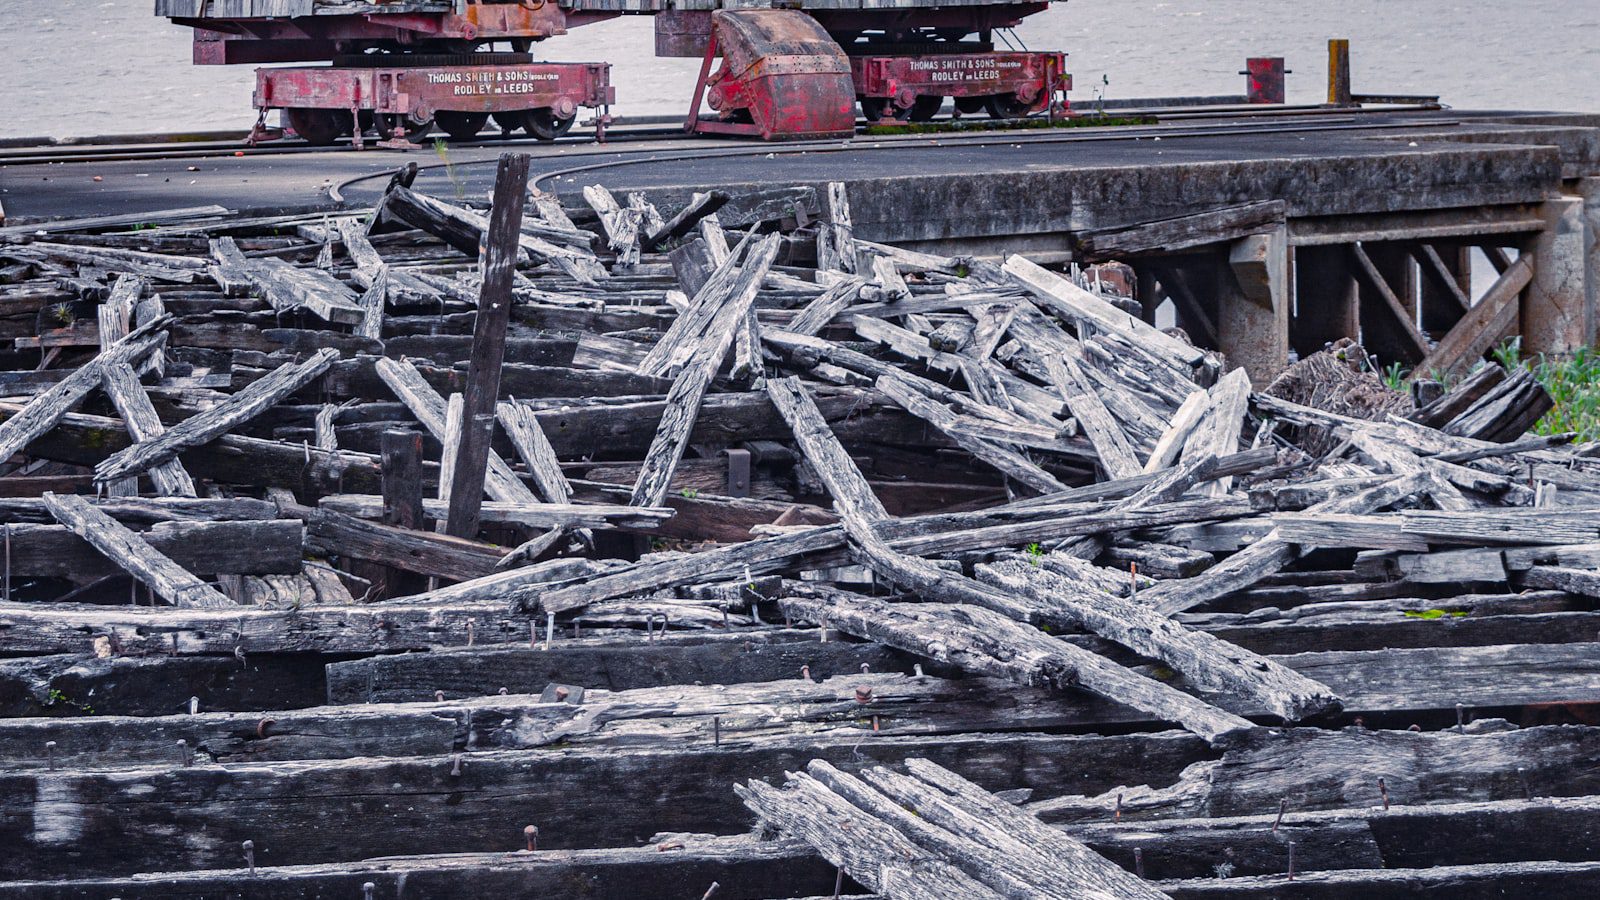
[{"x": 75, "y": 67}]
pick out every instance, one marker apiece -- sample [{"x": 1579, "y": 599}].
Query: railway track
[{"x": 1174, "y": 121}]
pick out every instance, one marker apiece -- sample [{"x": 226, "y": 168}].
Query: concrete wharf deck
[{"x": 1364, "y": 213}]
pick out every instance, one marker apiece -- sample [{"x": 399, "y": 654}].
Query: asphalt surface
[{"x": 1078, "y": 157}]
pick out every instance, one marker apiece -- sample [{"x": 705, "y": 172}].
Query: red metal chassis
[
  {"x": 422, "y": 91},
  {"x": 1035, "y": 78}
]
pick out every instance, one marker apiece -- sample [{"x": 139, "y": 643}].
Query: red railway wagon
[
  {"x": 790, "y": 72},
  {"x": 405, "y": 97}
]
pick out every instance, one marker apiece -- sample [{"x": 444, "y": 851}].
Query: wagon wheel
[
  {"x": 544, "y": 124},
  {"x": 925, "y": 107},
  {"x": 461, "y": 126},
  {"x": 318, "y": 127},
  {"x": 398, "y": 125},
  {"x": 971, "y": 105},
  {"x": 1010, "y": 106},
  {"x": 876, "y": 109}
]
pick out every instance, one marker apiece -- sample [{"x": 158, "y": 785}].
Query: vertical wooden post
[
  {"x": 1339, "y": 93},
  {"x": 488, "y": 345},
  {"x": 402, "y": 478}
]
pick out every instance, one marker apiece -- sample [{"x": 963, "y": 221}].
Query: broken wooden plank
[
  {"x": 683, "y": 401},
  {"x": 127, "y": 549},
  {"x": 207, "y": 426}
]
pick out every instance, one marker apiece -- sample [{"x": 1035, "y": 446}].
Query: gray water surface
[{"x": 82, "y": 67}]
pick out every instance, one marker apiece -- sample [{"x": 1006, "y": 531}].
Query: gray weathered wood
[
  {"x": 127, "y": 549},
  {"x": 207, "y": 426}
]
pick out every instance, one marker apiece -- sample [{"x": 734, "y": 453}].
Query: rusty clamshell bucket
[{"x": 785, "y": 72}]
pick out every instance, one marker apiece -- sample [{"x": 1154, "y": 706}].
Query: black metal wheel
[
  {"x": 971, "y": 105},
  {"x": 1010, "y": 106},
  {"x": 392, "y": 125},
  {"x": 461, "y": 126},
  {"x": 925, "y": 107},
  {"x": 318, "y": 127},
  {"x": 544, "y": 124}
]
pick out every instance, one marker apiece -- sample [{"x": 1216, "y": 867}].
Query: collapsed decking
[{"x": 487, "y": 531}]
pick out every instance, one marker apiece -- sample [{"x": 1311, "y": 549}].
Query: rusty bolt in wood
[
  {"x": 194, "y": 706},
  {"x": 1461, "y": 719},
  {"x": 438, "y": 696},
  {"x": 50, "y": 754},
  {"x": 1291, "y": 860},
  {"x": 1522, "y": 776},
  {"x": 1283, "y": 806},
  {"x": 1383, "y": 789},
  {"x": 250, "y": 855},
  {"x": 262, "y": 726},
  {"x": 864, "y": 693},
  {"x": 184, "y": 753},
  {"x": 1116, "y": 815},
  {"x": 455, "y": 766},
  {"x": 1138, "y": 861},
  {"x": 716, "y": 731},
  {"x": 367, "y": 889},
  {"x": 917, "y": 670},
  {"x": 532, "y": 834},
  {"x": 838, "y": 882},
  {"x": 805, "y": 672},
  {"x": 866, "y": 668},
  {"x": 505, "y": 692}
]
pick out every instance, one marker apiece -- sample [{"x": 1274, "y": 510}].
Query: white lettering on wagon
[
  {"x": 494, "y": 82},
  {"x": 963, "y": 69}
]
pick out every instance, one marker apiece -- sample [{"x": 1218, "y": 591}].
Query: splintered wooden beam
[
  {"x": 1270, "y": 554},
  {"x": 1064, "y": 298},
  {"x": 288, "y": 287},
  {"x": 700, "y": 205},
  {"x": 133, "y": 404},
  {"x": 130, "y": 551},
  {"x": 992, "y": 840},
  {"x": 1110, "y": 443},
  {"x": 500, "y": 482},
  {"x": 878, "y": 857},
  {"x": 836, "y": 245},
  {"x": 1218, "y": 430},
  {"x": 48, "y": 407},
  {"x": 683, "y": 401},
  {"x": 1183, "y": 232},
  {"x": 488, "y": 345},
  {"x": 528, "y": 437},
  {"x": 935, "y": 626},
  {"x": 1209, "y": 663},
  {"x": 256, "y": 398},
  {"x": 982, "y": 642}
]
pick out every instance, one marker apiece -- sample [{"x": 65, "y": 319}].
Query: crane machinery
[{"x": 789, "y": 68}]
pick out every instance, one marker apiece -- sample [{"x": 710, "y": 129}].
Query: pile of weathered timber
[{"x": 335, "y": 536}]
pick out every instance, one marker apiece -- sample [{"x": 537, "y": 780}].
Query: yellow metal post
[{"x": 1339, "y": 73}]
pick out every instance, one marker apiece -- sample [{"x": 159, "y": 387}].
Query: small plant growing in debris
[
  {"x": 1394, "y": 376},
  {"x": 690, "y": 493},
  {"x": 1035, "y": 554}
]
